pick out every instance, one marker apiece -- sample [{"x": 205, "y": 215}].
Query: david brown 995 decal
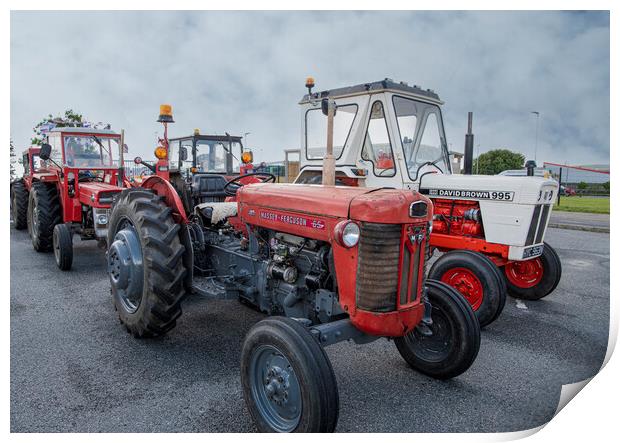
[{"x": 467, "y": 193}]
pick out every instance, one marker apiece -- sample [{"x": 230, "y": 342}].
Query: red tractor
[
  {"x": 326, "y": 263},
  {"x": 67, "y": 188}
]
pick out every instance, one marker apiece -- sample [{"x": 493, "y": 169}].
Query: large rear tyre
[
  {"x": 19, "y": 205},
  {"x": 454, "y": 339},
  {"x": 63, "y": 246},
  {"x": 145, "y": 263},
  {"x": 288, "y": 382},
  {"x": 43, "y": 215},
  {"x": 475, "y": 276},
  {"x": 535, "y": 278}
]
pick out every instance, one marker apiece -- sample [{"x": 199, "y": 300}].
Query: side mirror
[
  {"x": 45, "y": 152},
  {"x": 325, "y": 105},
  {"x": 137, "y": 160},
  {"x": 183, "y": 153}
]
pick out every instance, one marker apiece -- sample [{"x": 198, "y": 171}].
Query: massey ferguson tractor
[
  {"x": 67, "y": 188},
  {"x": 326, "y": 263},
  {"x": 492, "y": 228}
]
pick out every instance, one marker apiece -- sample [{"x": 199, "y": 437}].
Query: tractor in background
[
  {"x": 325, "y": 263},
  {"x": 491, "y": 228},
  {"x": 68, "y": 186}
]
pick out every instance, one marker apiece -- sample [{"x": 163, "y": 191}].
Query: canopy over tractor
[
  {"x": 391, "y": 134},
  {"x": 326, "y": 263}
]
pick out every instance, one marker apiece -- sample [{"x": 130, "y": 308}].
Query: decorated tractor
[
  {"x": 491, "y": 228},
  {"x": 68, "y": 186},
  {"x": 326, "y": 263}
]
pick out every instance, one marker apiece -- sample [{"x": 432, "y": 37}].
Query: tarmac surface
[
  {"x": 75, "y": 369},
  {"x": 580, "y": 221}
]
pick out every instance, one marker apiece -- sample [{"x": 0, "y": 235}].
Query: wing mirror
[
  {"x": 45, "y": 152},
  {"x": 183, "y": 153}
]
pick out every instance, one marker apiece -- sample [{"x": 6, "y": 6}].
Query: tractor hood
[
  {"x": 97, "y": 194},
  {"x": 519, "y": 190},
  {"x": 361, "y": 204}
]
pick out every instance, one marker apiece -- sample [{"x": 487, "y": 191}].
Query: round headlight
[
  {"x": 102, "y": 219},
  {"x": 350, "y": 234}
]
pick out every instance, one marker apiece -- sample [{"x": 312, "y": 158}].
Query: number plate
[{"x": 533, "y": 251}]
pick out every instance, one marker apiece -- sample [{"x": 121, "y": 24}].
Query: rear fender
[{"x": 164, "y": 189}]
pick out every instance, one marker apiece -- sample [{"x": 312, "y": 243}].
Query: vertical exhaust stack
[
  {"x": 469, "y": 146},
  {"x": 329, "y": 163}
]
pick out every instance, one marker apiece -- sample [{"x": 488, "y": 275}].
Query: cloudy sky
[{"x": 244, "y": 72}]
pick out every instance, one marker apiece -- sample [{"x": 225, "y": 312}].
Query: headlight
[
  {"x": 102, "y": 219},
  {"x": 347, "y": 233}
]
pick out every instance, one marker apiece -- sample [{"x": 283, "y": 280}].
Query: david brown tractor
[
  {"x": 68, "y": 187},
  {"x": 492, "y": 228},
  {"x": 326, "y": 263}
]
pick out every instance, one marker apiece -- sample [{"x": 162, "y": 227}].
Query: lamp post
[
  {"x": 245, "y": 138},
  {"x": 537, "y": 114}
]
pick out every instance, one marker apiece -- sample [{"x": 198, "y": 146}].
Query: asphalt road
[
  {"x": 74, "y": 369},
  {"x": 580, "y": 221}
]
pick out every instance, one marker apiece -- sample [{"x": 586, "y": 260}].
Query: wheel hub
[
  {"x": 467, "y": 283},
  {"x": 525, "y": 274},
  {"x": 126, "y": 268},
  {"x": 276, "y": 388}
]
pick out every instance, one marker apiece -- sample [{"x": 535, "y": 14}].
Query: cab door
[{"x": 379, "y": 148}]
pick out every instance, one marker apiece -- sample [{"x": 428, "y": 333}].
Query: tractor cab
[
  {"x": 201, "y": 168},
  {"x": 213, "y": 154},
  {"x": 386, "y": 134}
]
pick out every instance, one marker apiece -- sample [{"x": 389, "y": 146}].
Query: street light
[
  {"x": 245, "y": 138},
  {"x": 537, "y": 114}
]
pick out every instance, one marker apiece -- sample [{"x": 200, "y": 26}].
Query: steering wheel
[{"x": 232, "y": 186}]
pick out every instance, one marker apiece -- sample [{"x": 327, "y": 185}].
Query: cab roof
[
  {"x": 378, "y": 86},
  {"x": 217, "y": 138},
  {"x": 83, "y": 130}
]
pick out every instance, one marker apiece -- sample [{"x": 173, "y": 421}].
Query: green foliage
[
  {"x": 498, "y": 160},
  {"x": 582, "y": 186},
  {"x": 70, "y": 118},
  {"x": 12, "y": 160}
]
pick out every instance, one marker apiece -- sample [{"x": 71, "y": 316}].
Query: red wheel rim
[
  {"x": 467, "y": 283},
  {"x": 524, "y": 274}
]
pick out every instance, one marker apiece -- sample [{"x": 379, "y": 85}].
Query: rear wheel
[
  {"x": 43, "y": 215},
  {"x": 288, "y": 382},
  {"x": 63, "y": 246},
  {"x": 535, "y": 278},
  {"x": 19, "y": 205},
  {"x": 145, "y": 263},
  {"x": 476, "y": 277},
  {"x": 452, "y": 341}
]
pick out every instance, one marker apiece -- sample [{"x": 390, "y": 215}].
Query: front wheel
[
  {"x": 450, "y": 344},
  {"x": 476, "y": 277},
  {"x": 535, "y": 278},
  {"x": 63, "y": 246},
  {"x": 288, "y": 382}
]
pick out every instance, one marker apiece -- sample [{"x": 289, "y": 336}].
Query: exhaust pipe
[
  {"x": 469, "y": 146},
  {"x": 329, "y": 163}
]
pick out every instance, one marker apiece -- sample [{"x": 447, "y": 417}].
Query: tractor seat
[
  {"x": 215, "y": 212},
  {"x": 208, "y": 187}
]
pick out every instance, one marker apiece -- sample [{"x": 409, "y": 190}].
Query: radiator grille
[
  {"x": 536, "y": 232},
  {"x": 377, "y": 267}
]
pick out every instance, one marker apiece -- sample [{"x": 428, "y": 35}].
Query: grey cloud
[{"x": 244, "y": 72}]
